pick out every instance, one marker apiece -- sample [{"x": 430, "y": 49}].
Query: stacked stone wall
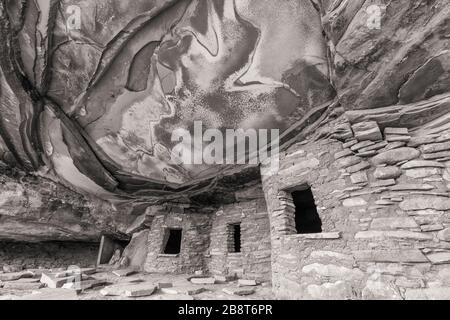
[{"x": 383, "y": 197}]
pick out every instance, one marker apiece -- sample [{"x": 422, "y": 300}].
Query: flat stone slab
[
  {"x": 393, "y": 223},
  {"x": 412, "y": 187},
  {"x": 426, "y": 202},
  {"x": 16, "y": 285},
  {"x": 124, "y": 272},
  {"x": 394, "y": 156},
  {"x": 401, "y": 234},
  {"x": 170, "y": 297},
  {"x": 439, "y": 257},
  {"x": 245, "y": 282},
  {"x": 84, "y": 285},
  {"x": 130, "y": 290},
  {"x": 161, "y": 285},
  {"x": 411, "y": 256},
  {"x": 422, "y": 164},
  {"x": 224, "y": 278},
  {"x": 140, "y": 290},
  {"x": 319, "y": 236},
  {"x": 15, "y": 276},
  {"x": 51, "y": 294},
  {"x": 239, "y": 291},
  {"x": 183, "y": 290},
  {"x": 196, "y": 280},
  {"x": 52, "y": 282}
]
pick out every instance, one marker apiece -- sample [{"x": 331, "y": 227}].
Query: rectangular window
[
  {"x": 173, "y": 242},
  {"x": 234, "y": 238},
  {"x": 307, "y": 219}
]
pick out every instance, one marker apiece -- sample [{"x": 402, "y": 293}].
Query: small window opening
[
  {"x": 307, "y": 219},
  {"x": 173, "y": 243},
  {"x": 234, "y": 238}
]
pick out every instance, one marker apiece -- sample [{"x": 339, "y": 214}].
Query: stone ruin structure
[{"x": 360, "y": 90}]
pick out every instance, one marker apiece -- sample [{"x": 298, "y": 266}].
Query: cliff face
[
  {"x": 385, "y": 53},
  {"x": 91, "y": 91},
  {"x": 34, "y": 208}
]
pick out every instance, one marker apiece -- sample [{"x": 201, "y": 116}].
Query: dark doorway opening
[
  {"x": 173, "y": 243},
  {"x": 307, "y": 219},
  {"x": 234, "y": 238}
]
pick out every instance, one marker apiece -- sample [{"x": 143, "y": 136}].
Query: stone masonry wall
[
  {"x": 194, "y": 244},
  {"x": 383, "y": 197},
  {"x": 254, "y": 259}
]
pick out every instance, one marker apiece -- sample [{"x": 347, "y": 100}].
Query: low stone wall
[
  {"x": 28, "y": 255},
  {"x": 194, "y": 244},
  {"x": 384, "y": 202},
  {"x": 254, "y": 259}
]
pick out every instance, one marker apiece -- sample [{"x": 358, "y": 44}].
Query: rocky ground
[{"x": 106, "y": 283}]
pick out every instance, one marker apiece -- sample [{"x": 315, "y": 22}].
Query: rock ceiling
[{"x": 95, "y": 106}]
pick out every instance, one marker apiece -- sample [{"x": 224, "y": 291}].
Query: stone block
[
  {"x": 435, "y": 293},
  {"x": 379, "y": 290},
  {"x": 387, "y": 256},
  {"x": 426, "y": 202},
  {"x": 358, "y": 167},
  {"x": 124, "y": 272},
  {"x": 418, "y": 141},
  {"x": 203, "y": 280},
  {"x": 15, "y": 276},
  {"x": 139, "y": 290},
  {"x": 348, "y": 162},
  {"x": 368, "y": 130},
  {"x": 84, "y": 284},
  {"x": 224, "y": 278},
  {"x": 339, "y": 290},
  {"x": 239, "y": 291},
  {"x": 396, "y": 131},
  {"x": 412, "y": 187},
  {"x": 387, "y": 173},
  {"x": 422, "y": 172},
  {"x": 162, "y": 285},
  {"x": 52, "y": 282},
  {"x": 246, "y": 282},
  {"x": 15, "y": 285},
  {"x": 319, "y": 236},
  {"x": 437, "y": 155},
  {"x": 439, "y": 257},
  {"x": 444, "y": 235},
  {"x": 397, "y": 138},
  {"x": 400, "y": 235},
  {"x": 333, "y": 271},
  {"x": 436, "y": 147},
  {"x": 393, "y": 223},
  {"x": 361, "y": 145},
  {"x": 383, "y": 183},
  {"x": 51, "y": 294},
  {"x": 414, "y": 164},
  {"x": 354, "y": 202},
  {"x": 183, "y": 290},
  {"x": 359, "y": 177},
  {"x": 343, "y": 153}
]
